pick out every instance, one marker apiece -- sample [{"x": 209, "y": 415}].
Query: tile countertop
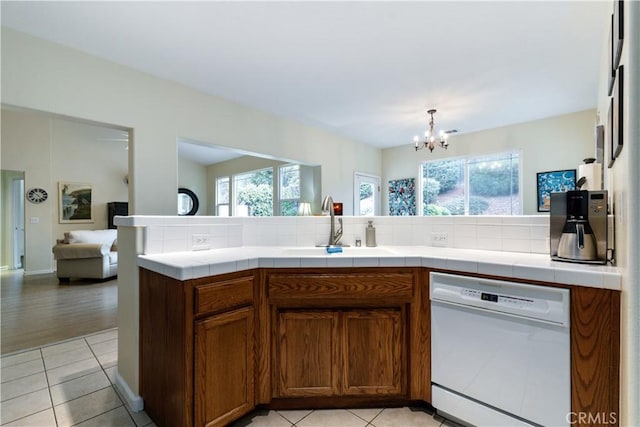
[{"x": 196, "y": 264}]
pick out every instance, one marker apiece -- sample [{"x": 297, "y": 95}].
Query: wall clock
[{"x": 37, "y": 195}]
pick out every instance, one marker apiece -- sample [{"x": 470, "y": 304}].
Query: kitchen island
[{"x": 239, "y": 328}]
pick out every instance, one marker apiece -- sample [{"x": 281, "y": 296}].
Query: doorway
[
  {"x": 12, "y": 220},
  {"x": 366, "y": 195}
]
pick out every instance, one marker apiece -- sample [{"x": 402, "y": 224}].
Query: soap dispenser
[{"x": 370, "y": 235}]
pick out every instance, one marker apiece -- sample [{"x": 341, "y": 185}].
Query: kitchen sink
[{"x": 348, "y": 251}]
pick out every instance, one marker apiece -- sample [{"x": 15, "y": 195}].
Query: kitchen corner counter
[{"x": 539, "y": 267}]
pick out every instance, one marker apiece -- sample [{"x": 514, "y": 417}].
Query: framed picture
[
  {"x": 553, "y": 182},
  {"x": 616, "y": 117},
  {"x": 608, "y": 138},
  {"x": 612, "y": 69},
  {"x": 75, "y": 202},
  {"x": 600, "y": 149},
  {"x": 618, "y": 31},
  {"x": 402, "y": 197}
]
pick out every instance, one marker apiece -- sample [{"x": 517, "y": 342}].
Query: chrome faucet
[{"x": 334, "y": 236}]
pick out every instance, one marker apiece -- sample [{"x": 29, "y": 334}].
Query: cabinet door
[
  {"x": 224, "y": 367},
  {"x": 374, "y": 356},
  {"x": 307, "y": 354}
]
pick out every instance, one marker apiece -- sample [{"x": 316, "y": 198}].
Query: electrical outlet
[
  {"x": 200, "y": 242},
  {"x": 439, "y": 239}
]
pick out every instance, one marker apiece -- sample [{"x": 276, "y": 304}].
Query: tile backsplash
[{"x": 528, "y": 234}]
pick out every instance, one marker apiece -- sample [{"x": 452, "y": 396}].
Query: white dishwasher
[{"x": 500, "y": 351}]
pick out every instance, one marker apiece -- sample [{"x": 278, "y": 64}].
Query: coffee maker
[{"x": 578, "y": 226}]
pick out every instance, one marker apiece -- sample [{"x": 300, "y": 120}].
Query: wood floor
[{"x": 37, "y": 310}]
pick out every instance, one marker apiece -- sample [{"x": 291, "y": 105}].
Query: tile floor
[
  {"x": 65, "y": 384},
  {"x": 389, "y": 417},
  {"x": 71, "y": 384}
]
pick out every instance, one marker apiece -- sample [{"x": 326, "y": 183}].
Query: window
[
  {"x": 366, "y": 194},
  {"x": 289, "y": 189},
  {"x": 487, "y": 185},
  {"x": 253, "y": 193},
  {"x": 222, "y": 196}
]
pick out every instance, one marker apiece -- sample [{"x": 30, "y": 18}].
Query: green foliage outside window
[
  {"x": 495, "y": 178},
  {"x": 258, "y": 198},
  {"x": 447, "y": 172},
  {"x": 432, "y": 210},
  {"x": 289, "y": 207},
  {"x": 430, "y": 191},
  {"x": 477, "y": 206}
]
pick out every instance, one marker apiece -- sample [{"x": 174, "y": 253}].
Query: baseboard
[
  {"x": 35, "y": 272},
  {"x": 132, "y": 400},
  {"x": 4, "y": 267}
]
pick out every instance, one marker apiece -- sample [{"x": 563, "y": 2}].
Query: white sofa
[{"x": 87, "y": 254}]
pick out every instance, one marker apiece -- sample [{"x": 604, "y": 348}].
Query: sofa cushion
[
  {"x": 80, "y": 251},
  {"x": 103, "y": 237}
]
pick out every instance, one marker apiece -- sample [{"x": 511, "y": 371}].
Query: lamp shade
[{"x": 304, "y": 209}]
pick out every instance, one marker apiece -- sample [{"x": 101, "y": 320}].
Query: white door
[
  {"x": 366, "y": 195},
  {"x": 17, "y": 193}
]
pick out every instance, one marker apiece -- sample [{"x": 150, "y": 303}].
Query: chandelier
[{"x": 430, "y": 140}]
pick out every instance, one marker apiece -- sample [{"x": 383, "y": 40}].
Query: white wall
[
  {"x": 88, "y": 154},
  {"x": 623, "y": 183},
  {"x": 193, "y": 176},
  {"x": 554, "y": 143}
]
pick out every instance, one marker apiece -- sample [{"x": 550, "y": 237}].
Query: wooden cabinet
[
  {"x": 224, "y": 367},
  {"x": 373, "y": 352},
  {"x": 344, "y": 333},
  {"x": 333, "y": 353},
  {"x": 197, "y": 341},
  {"x": 307, "y": 353}
]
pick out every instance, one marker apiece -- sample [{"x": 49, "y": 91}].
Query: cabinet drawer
[
  {"x": 223, "y": 295},
  {"x": 310, "y": 286}
]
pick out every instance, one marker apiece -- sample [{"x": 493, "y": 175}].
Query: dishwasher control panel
[
  {"x": 497, "y": 298},
  {"x": 542, "y": 303}
]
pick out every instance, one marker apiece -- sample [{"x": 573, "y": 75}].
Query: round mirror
[{"x": 188, "y": 203}]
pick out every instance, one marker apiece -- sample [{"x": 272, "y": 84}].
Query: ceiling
[{"x": 364, "y": 70}]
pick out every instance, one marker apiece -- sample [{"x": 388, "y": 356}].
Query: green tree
[
  {"x": 259, "y": 199},
  {"x": 430, "y": 191},
  {"x": 448, "y": 173},
  {"x": 435, "y": 210},
  {"x": 477, "y": 206},
  {"x": 264, "y": 176},
  {"x": 289, "y": 208},
  {"x": 495, "y": 178}
]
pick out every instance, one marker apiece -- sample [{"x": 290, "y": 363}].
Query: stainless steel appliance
[
  {"x": 578, "y": 226},
  {"x": 500, "y": 352}
]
